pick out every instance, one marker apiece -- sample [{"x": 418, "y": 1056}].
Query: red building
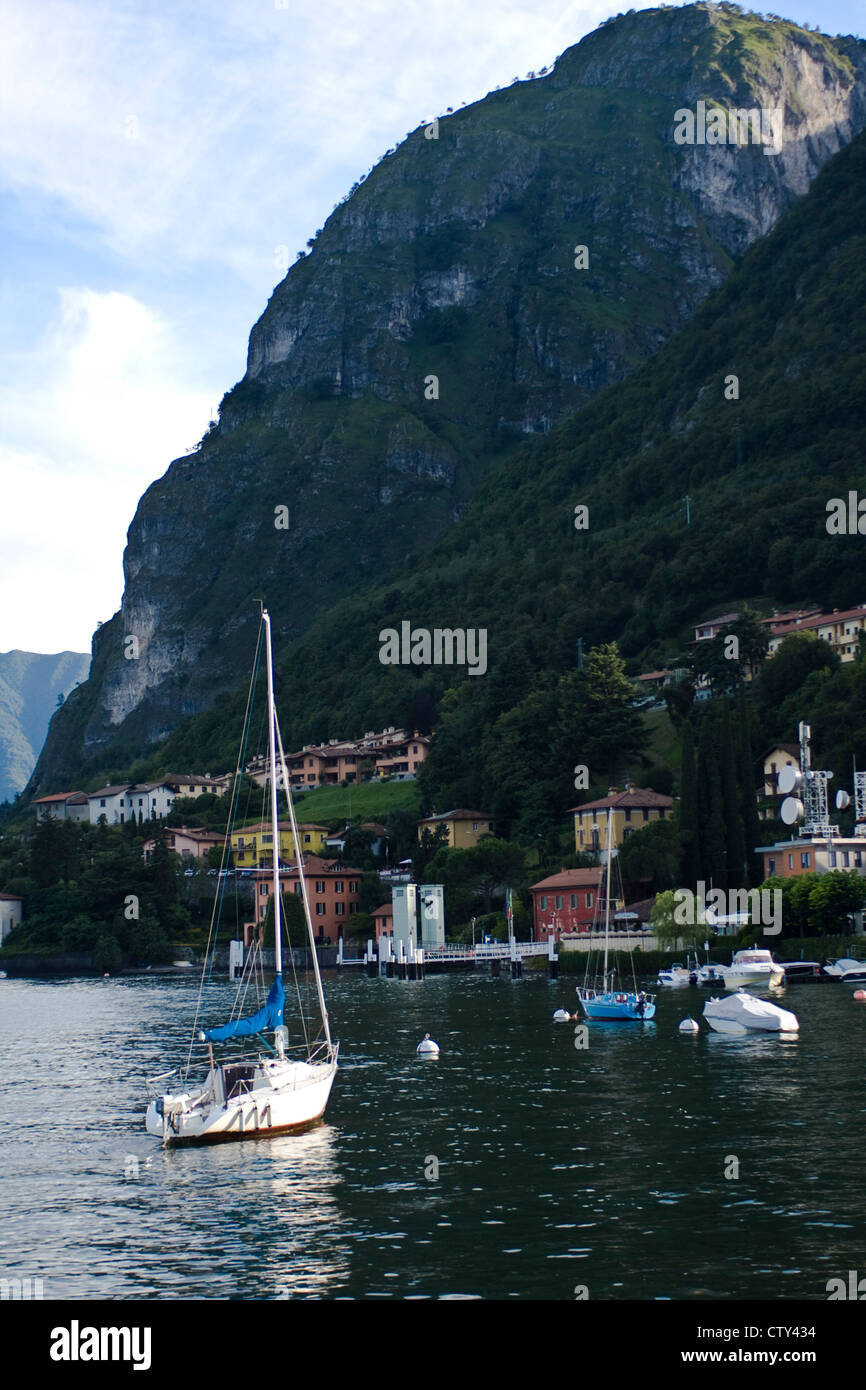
[{"x": 566, "y": 902}]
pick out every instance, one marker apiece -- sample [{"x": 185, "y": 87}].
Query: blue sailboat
[{"x": 607, "y": 1002}]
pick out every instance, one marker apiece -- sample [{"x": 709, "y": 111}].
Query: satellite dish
[
  {"x": 843, "y": 801},
  {"x": 792, "y": 810},
  {"x": 788, "y": 779}
]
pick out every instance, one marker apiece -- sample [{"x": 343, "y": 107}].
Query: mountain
[
  {"x": 790, "y": 325},
  {"x": 455, "y": 260},
  {"x": 30, "y": 684}
]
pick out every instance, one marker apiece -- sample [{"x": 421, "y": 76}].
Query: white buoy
[
  {"x": 427, "y": 1047},
  {"x": 562, "y": 1016},
  {"x": 689, "y": 1025}
]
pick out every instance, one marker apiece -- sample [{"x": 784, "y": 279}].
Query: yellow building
[
  {"x": 465, "y": 828},
  {"x": 630, "y": 809},
  {"x": 253, "y": 845}
]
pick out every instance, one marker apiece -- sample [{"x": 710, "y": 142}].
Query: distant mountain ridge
[
  {"x": 30, "y": 683},
  {"x": 440, "y": 319}
]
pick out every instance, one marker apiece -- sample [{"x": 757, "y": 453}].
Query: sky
[{"x": 160, "y": 166}]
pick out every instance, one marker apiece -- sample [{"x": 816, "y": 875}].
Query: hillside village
[{"x": 355, "y": 864}]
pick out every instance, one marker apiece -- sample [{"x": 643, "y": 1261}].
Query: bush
[{"x": 107, "y": 956}]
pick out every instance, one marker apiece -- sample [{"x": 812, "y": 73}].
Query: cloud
[{"x": 92, "y": 415}]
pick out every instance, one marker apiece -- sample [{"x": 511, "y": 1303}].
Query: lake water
[{"x": 557, "y": 1168}]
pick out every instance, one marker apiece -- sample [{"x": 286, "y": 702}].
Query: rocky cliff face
[{"x": 444, "y": 312}]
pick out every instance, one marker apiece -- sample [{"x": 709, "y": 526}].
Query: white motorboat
[
  {"x": 742, "y": 1013},
  {"x": 849, "y": 972},
  {"x": 692, "y": 973},
  {"x": 268, "y": 1091},
  {"x": 751, "y": 967}
]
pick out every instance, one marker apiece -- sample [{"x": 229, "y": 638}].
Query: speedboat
[
  {"x": 752, "y": 967},
  {"x": 678, "y": 977},
  {"x": 742, "y": 1013},
  {"x": 850, "y": 972},
  {"x": 692, "y": 973},
  {"x": 804, "y": 970}
]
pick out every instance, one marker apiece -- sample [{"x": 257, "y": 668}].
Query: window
[
  {"x": 542, "y": 903},
  {"x": 298, "y": 886},
  {"x": 353, "y": 907},
  {"x": 557, "y": 902},
  {"x": 307, "y": 839},
  {"x": 341, "y": 909},
  {"x": 320, "y": 885},
  {"x": 580, "y": 836},
  {"x": 475, "y": 825},
  {"x": 240, "y": 842},
  {"x": 831, "y": 857},
  {"x": 790, "y": 861},
  {"x": 805, "y": 859},
  {"x": 263, "y": 890},
  {"x": 267, "y": 839},
  {"x": 102, "y": 803},
  {"x": 628, "y": 813},
  {"x": 573, "y": 901},
  {"x": 845, "y": 864},
  {"x": 339, "y": 885},
  {"x": 353, "y": 885},
  {"x": 771, "y": 868},
  {"x": 645, "y": 815},
  {"x": 589, "y": 899},
  {"x": 320, "y": 909}
]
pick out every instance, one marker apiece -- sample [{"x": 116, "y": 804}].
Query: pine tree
[
  {"x": 733, "y": 811},
  {"x": 714, "y": 862},
  {"x": 748, "y": 800},
  {"x": 689, "y": 824}
]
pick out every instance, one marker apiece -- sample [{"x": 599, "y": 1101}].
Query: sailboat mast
[
  {"x": 607, "y": 902},
  {"x": 272, "y": 753},
  {"x": 302, "y": 879}
]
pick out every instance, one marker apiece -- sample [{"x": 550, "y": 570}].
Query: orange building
[{"x": 333, "y": 890}]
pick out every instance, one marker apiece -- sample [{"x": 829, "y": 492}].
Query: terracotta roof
[
  {"x": 638, "y": 797},
  {"x": 110, "y": 791},
  {"x": 57, "y": 796},
  {"x": 460, "y": 814},
  {"x": 386, "y": 910},
  {"x": 570, "y": 878},
  {"x": 11, "y": 898}
]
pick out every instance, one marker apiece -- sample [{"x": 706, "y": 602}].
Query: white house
[
  {"x": 139, "y": 801},
  {"x": 10, "y": 913},
  {"x": 63, "y": 806}
]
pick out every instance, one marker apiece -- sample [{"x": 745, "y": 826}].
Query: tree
[
  {"x": 796, "y": 658},
  {"x": 714, "y": 864},
  {"x": 688, "y": 817},
  {"x": 611, "y": 730},
  {"x": 666, "y": 928},
  {"x": 735, "y": 839},
  {"x": 649, "y": 859},
  {"x": 428, "y": 846}
]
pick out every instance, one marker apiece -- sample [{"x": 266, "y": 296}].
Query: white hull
[
  {"x": 283, "y": 1096},
  {"x": 742, "y": 1013}
]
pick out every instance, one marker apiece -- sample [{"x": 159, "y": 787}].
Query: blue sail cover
[{"x": 271, "y": 1016}]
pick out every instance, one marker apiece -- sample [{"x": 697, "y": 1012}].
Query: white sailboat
[
  {"x": 607, "y": 1002},
  {"x": 282, "y": 1088}
]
